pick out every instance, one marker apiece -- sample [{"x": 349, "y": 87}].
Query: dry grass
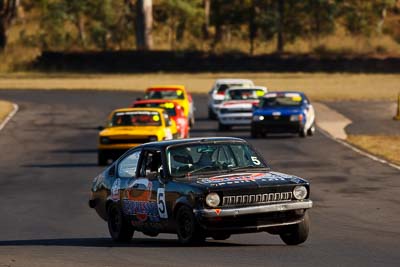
[
  {"x": 5, "y": 109},
  {"x": 384, "y": 146},
  {"x": 319, "y": 86}
]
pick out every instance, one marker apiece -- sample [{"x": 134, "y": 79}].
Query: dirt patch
[
  {"x": 384, "y": 146},
  {"x": 318, "y": 86},
  {"x": 5, "y": 109}
]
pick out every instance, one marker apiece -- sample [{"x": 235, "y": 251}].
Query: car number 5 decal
[
  {"x": 255, "y": 160},
  {"x": 162, "y": 207}
]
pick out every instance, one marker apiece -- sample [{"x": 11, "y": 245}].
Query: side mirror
[{"x": 100, "y": 128}]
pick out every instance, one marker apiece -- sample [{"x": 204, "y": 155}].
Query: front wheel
[
  {"x": 296, "y": 234},
  {"x": 188, "y": 229},
  {"x": 253, "y": 133},
  {"x": 211, "y": 114},
  {"x": 303, "y": 132},
  {"x": 223, "y": 127},
  {"x": 118, "y": 226},
  {"x": 102, "y": 158},
  {"x": 311, "y": 130}
]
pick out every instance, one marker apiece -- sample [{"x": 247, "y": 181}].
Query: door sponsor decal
[{"x": 162, "y": 207}]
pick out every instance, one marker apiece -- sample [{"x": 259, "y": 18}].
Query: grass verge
[
  {"x": 384, "y": 146},
  {"x": 319, "y": 86},
  {"x": 5, "y": 109}
]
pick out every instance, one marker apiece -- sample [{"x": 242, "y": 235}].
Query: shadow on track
[{"x": 107, "y": 242}]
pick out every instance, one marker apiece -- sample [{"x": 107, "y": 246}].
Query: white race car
[
  {"x": 217, "y": 93},
  {"x": 237, "y": 108}
]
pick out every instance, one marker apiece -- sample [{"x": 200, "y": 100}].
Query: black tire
[
  {"x": 311, "y": 130},
  {"x": 296, "y": 234},
  {"x": 119, "y": 227},
  {"x": 223, "y": 127},
  {"x": 254, "y": 133},
  {"x": 102, "y": 158},
  {"x": 187, "y": 228},
  {"x": 221, "y": 236},
  {"x": 303, "y": 132},
  {"x": 211, "y": 114},
  {"x": 191, "y": 121}
]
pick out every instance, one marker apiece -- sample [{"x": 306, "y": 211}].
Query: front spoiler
[{"x": 229, "y": 212}]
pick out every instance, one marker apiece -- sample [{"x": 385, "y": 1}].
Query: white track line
[
  {"x": 359, "y": 151},
  {"x": 9, "y": 116}
]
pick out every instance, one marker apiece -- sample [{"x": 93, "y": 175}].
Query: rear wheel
[
  {"x": 303, "y": 132},
  {"x": 311, "y": 130},
  {"x": 102, "y": 158},
  {"x": 119, "y": 227},
  {"x": 211, "y": 114},
  {"x": 188, "y": 229},
  {"x": 296, "y": 234}
]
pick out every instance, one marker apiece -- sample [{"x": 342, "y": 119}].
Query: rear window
[
  {"x": 222, "y": 87},
  {"x": 244, "y": 94},
  {"x": 281, "y": 99},
  {"x": 136, "y": 118},
  {"x": 165, "y": 94}
]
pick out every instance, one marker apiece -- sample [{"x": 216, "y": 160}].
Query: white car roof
[{"x": 230, "y": 81}]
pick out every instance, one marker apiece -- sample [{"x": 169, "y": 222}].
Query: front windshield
[
  {"x": 194, "y": 159},
  {"x": 164, "y": 94},
  {"x": 136, "y": 118},
  {"x": 169, "y": 107},
  {"x": 285, "y": 100},
  {"x": 244, "y": 94}
]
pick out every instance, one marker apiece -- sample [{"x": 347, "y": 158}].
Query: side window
[
  {"x": 151, "y": 164},
  {"x": 127, "y": 167}
]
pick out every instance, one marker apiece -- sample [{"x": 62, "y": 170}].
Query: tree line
[{"x": 116, "y": 24}]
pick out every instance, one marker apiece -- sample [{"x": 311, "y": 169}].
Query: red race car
[{"x": 174, "y": 110}]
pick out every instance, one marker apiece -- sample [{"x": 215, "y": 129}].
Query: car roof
[
  {"x": 138, "y": 109},
  {"x": 248, "y": 88},
  {"x": 284, "y": 92},
  {"x": 228, "y": 81},
  {"x": 167, "y": 143},
  {"x": 167, "y": 87}
]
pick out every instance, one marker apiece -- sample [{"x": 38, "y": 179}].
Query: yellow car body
[
  {"x": 130, "y": 127},
  {"x": 178, "y": 94}
]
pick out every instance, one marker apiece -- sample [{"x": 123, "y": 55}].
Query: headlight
[
  {"x": 258, "y": 118},
  {"x": 217, "y": 102},
  {"x": 300, "y": 192},
  {"x": 153, "y": 138},
  {"x": 104, "y": 140},
  {"x": 212, "y": 200},
  {"x": 296, "y": 117}
]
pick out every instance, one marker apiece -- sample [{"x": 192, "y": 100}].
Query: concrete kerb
[
  {"x": 9, "y": 116},
  {"x": 332, "y": 124}
]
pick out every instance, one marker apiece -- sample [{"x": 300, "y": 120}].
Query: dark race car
[{"x": 198, "y": 188}]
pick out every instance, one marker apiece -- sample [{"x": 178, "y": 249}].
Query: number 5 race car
[{"x": 199, "y": 188}]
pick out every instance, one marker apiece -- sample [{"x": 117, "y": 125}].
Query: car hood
[
  {"x": 248, "y": 180},
  {"x": 131, "y": 130},
  {"x": 281, "y": 110}
]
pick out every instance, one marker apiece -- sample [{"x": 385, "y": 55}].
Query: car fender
[{"x": 310, "y": 116}]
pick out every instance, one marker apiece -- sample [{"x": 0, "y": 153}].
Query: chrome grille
[{"x": 256, "y": 198}]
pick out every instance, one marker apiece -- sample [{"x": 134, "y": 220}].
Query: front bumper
[
  {"x": 252, "y": 219},
  {"x": 277, "y": 126}
]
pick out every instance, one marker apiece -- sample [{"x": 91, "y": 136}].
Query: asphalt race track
[{"x": 48, "y": 159}]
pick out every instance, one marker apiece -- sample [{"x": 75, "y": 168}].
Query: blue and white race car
[{"x": 283, "y": 112}]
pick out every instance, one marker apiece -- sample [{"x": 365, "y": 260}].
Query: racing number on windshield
[
  {"x": 255, "y": 160},
  {"x": 162, "y": 207}
]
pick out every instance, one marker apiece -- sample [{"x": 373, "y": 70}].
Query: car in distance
[
  {"x": 178, "y": 93},
  {"x": 217, "y": 93},
  {"x": 174, "y": 110},
  {"x": 198, "y": 188},
  {"x": 283, "y": 112},
  {"x": 129, "y": 127},
  {"x": 237, "y": 107}
]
